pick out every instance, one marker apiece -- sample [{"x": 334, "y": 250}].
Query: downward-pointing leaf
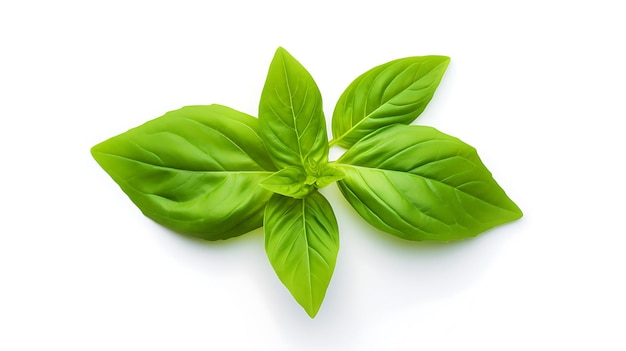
[
  {"x": 290, "y": 112},
  {"x": 302, "y": 241},
  {"x": 395, "y": 92},
  {"x": 195, "y": 170},
  {"x": 420, "y": 184}
]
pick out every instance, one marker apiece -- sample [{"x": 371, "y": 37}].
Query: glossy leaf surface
[
  {"x": 420, "y": 184},
  {"x": 302, "y": 242},
  {"x": 290, "y": 112},
  {"x": 195, "y": 170},
  {"x": 395, "y": 92}
]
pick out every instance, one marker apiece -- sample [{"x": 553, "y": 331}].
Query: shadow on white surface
[{"x": 377, "y": 274}]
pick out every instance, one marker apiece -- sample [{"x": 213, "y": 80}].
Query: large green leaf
[
  {"x": 395, "y": 92},
  {"x": 290, "y": 112},
  {"x": 420, "y": 184},
  {"x": 195, "y": 170},
  {"x": 302, "y": 241}
]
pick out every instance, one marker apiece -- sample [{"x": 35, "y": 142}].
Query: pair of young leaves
[{"x": 215, "y": 173}]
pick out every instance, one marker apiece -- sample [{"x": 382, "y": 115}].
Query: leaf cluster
[{"x": 215, "y": 173}]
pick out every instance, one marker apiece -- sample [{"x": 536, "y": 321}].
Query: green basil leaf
[
  {"x": 195, "y": 170},
  {"x": 293, "y": 182},
  {"x": 395, "y": 92},
  {"x": 420, "y": 184},
  {"x": 329, "y": 175},
  {"x": 302, "y": 242},
  {"x": 290, "y": 181},
  {"x": 291, "y": 117}
]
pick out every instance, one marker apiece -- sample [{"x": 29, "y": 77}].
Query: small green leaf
[
  {"x": 329, "y": 175},
  {"x": 293, "y": 182},
  {"x": 195, "y": 170},
  {"x": 302, "y": 242},
  {"x": 290, "y": 181},
  {"x": 420, "y": 184},
  {"x": 395, "y": 92},
  {"x": 291, "y": 117}
]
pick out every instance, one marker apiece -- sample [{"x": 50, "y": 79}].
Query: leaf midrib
[
  {"x": 308, "y": 256},
  {"x": 431, "y": 179},
  {"x": 293, "y": 112},
  {"x": 368, "y": 116},
  {"x": 176, "y": 168}
]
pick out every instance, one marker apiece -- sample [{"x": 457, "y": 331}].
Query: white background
[{"x": 538, "y": 87}]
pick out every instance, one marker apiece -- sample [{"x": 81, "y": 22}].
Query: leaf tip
[
  {"x": 281, "y": 52},
  {"x": 312, "y": 311},
  {"x": 95, "y": 151},
  {"x": 285, "y": 56},
  {"x": 445, "y": 61},
  {"x": 518, "y": 213}
]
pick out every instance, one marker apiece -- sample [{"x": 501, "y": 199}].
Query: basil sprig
[{"x": 215, "y": 173}]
